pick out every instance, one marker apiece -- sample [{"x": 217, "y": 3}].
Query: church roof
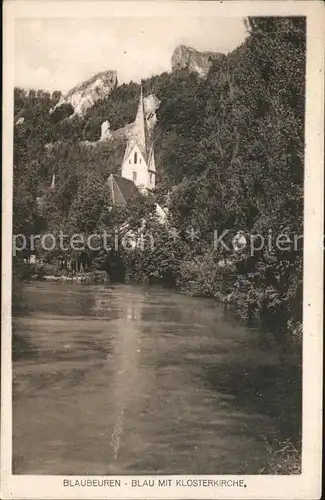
[
  {"x": 122, "y": 190},
  {"x": 139, "y": 135},
  {"x": 122, "y": 132}
]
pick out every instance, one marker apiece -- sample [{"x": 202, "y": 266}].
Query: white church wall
[
  {"x": 152, "y": 172},
  {"x": 136, "y": 171},
  {"x": 151, "y": 180}
]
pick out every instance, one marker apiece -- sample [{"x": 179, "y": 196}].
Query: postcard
[{"x": 163, "y": 192}]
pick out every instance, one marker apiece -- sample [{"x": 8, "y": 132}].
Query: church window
[
  {"x": 134, "y": 176},
  {"x": 150, "y": 178},
  {"x": 130, "y": 161},
  {"x": 135, "y": 157}
]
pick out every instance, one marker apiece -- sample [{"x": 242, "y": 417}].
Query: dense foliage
[{"x": 230, "y": 153}]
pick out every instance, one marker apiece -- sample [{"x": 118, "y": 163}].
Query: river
[{"x": 131, "y": 380}]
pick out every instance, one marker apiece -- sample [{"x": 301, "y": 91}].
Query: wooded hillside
[{"x": 229, "y": 148}]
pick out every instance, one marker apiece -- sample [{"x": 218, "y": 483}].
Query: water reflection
[
  {"x": 131, "y": 380},
  {"x": 128, "y": 380}
]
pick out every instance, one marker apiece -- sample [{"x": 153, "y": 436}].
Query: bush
[
  {"x": 284, "y": 457},
  {"x": 199, "y": 275},
  {"x": 206, "y": 275},
  {"x": 157, "y": 264},
  {"x": 295, "y": 329},
  {"x": 22, "y": 271},
  {"x": 45, "y": 269}
]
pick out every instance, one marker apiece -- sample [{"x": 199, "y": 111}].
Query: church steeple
[{"x": 139, "y": 135}]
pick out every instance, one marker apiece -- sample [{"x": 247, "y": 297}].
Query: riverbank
[
  {"x": 92, "y": 278},
  {"x": 48, "y": 272},
  {"x": 284, "y": 457},
  {"x": 198, "y": 279}
]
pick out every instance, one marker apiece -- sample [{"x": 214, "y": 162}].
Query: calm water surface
[{"x": 131, "y": 380}]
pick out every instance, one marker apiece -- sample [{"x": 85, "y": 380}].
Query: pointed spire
[
  {"x": 139, "y": 131},
  {"x": 53, "y": 182},
  {"x": 138, "y": 134}
]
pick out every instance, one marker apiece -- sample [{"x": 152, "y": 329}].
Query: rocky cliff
[
  {"x": 199, "y": 62},
  {"x": 85, "y": 95}
]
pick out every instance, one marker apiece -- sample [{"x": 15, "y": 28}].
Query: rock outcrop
[
  {"x": 84, "y": 96},
  {"x": 192, "y": 59},
  {"x": 151, "y": 104}
]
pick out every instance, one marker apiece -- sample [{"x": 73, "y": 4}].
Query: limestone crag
[
  {"x": 151, "y": 104},
  {"x": 194, "y": 60},
  {"x": 85, "y": 95}
]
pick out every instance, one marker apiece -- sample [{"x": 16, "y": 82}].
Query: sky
[{"x": 58, "y": 53}]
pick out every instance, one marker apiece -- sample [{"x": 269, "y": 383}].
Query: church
[
  {"x": 138, "y": 169},
  {"x": 139, "y": 160}
]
